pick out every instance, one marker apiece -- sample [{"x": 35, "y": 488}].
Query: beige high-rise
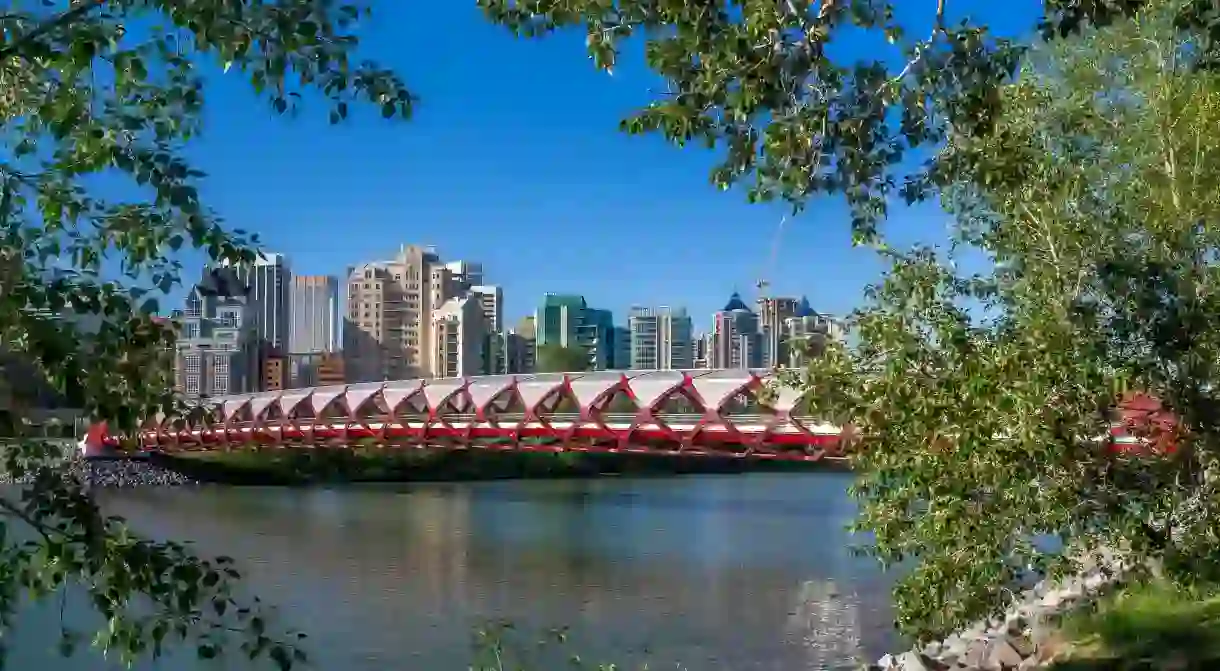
[
  {"x": 773, "y": 313},
  {"x": 388, "y": 332},
  {"x": 460, "y": 338}
]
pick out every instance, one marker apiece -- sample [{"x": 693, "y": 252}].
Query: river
[{"x": 707, "y": 573}]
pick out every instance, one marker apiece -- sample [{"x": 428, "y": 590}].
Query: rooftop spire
[{"x": 735, "y": 303}]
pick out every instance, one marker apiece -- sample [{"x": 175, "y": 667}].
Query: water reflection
[
  {"x": 743, "y": 573},
  {"x": 826, "y": 622}
]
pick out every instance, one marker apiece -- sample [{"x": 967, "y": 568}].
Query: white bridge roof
[{"x": 705, "y": 392}]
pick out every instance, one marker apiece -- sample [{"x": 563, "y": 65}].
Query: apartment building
[
  {"x": 314, "y": 311},
  {"x": 808, "y": 333},
  {"x": 387, "y": 331},
  {"x": 491, "y": 300},
  {"x": 267, "y": 281},
  {"x": 773, "y": 313},
  {"x": 460, "y": 345},
  {"x": 735, "y": 336},
  {"x": 218, "y": 348},
  {"x": 660, "y": 339}
]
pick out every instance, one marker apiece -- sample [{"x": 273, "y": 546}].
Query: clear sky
[{"x": 514, "y": 160}]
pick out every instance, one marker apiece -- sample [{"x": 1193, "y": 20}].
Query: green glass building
[{"x": 567, "y": 320}]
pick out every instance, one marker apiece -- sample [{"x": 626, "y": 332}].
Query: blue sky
[{"x": 514, "y": 160}]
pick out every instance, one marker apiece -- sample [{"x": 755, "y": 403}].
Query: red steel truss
[{"x": 695, "y": 412}]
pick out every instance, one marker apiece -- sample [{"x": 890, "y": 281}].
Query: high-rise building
[
  {"x": 520, "y": 347},
  {"x": 314, "y": 309},
  {"x": 465, "y": 273},
  {"x": 516, "y": 353},
  {"x": 660, "y": 339},
  {"x": 735, "y": 336},
  {"x": 316, "y": 323},
  {"x": 387, "y": 331},
  {"x": 557, "y": 320},
  {"x": 268, "y": 279},
  {"x": 620, "y": 348},
  {"x": 701, "y": 350},
  {"x": 275, "y": 373},
  {"x": 772, "y": 313},
  {"x": 218, "y": 349},
  {"x": 568, "y": 321},
  {"x": 491, "y": 298},
  {"x": 319, "y": 369},
  {"x": 460, "y": 341},
  {"x": 596, "y": 334},
  {"x": 808, "y": 332}
]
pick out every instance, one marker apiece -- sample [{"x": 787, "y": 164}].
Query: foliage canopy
[
  {"x": 760, "y": 83},
  {"x": 114, "y": 89},
  {"x": 1083, "y": 168},
  {"x": 556, "y": 358},
  {"x": 1097, "y": 209},
  {"x": 1095, "y": 196}
]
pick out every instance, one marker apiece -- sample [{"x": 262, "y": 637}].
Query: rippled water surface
[{"x": 743, "y": 573}]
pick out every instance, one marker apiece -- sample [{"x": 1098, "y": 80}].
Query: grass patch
[{"x": 1155, "y": 626}]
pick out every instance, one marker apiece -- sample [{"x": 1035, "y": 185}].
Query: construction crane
[{"x": 764, "y": 279}]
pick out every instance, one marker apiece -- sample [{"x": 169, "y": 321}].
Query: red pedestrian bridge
[{"x": 689, "y": 413}]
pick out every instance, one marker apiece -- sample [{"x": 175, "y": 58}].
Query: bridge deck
[{"x": 740, "y": 413}]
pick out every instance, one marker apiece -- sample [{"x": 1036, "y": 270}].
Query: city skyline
[
  {"x": 535, "y": 181},
  {"x": 257, "y": 326},
  {"x": 494, "y": 293},
  {"x": 472, "y": 277}
]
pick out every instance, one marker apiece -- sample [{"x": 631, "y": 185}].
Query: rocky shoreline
[
  {"x": 126, "y": 473},
  {"x": 118, "y": 473},
  {"x": 1021, "y": 640}
]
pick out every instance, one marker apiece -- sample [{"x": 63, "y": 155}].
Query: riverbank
[
  {"x": 1096, "y": 621},
  {"x": 314, "y": 465},
  {"x": 110, "y": 472}
]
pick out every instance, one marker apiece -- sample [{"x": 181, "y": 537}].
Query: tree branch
[
  {"x": 47, "y": 26},
  {"x": 937, "y": 28},
  {"x": 14, "y": 511}
]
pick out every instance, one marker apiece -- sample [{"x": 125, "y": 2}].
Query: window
[
  {"x": 192, "y": 330},
  {"x": 192, "y": 385},
  {"x": 194, "y": 306},
  {"x": 220, "y": 374}
]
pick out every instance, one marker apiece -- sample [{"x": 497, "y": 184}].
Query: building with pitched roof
[
  {"x": 736, "y": 340},
  {"x": 217, "y": 352}
]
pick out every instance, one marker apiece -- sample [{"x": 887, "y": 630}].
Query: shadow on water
[{"x": 713, "y": 491}]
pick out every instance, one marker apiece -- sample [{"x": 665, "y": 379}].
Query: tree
[
  {"x": 979, "y": 396},
  {"x": 116, "y": 88},
  {"x": 556, "y": 358},
  {"x": 756, "y": 81},
  {"x": 1096, "y": 197}
]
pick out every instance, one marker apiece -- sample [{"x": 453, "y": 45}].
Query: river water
[{"x": 708, "y": 573}]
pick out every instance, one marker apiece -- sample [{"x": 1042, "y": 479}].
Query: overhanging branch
[{"x": 63, "y": 19}]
